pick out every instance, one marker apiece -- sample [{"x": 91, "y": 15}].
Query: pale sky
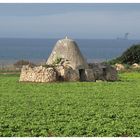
[{"x": 97, "y": 21}]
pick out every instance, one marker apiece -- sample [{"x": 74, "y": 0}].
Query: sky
[{"x": 93, "y": 21}]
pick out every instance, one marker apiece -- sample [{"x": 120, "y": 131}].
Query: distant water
[{"x": 39, "y": 49}]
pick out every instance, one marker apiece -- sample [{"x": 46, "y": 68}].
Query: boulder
[
  {"x": 110, "y": 74},
  {"x": 119, "y": 67},
  {"x": 135, "y": 66},
  {"x": 66, "y": 73},
  {"x": 71, "y": 75},
  {"x": 90, "y": 77},
  {"x": 97, "y": 70},
  {"x": 104, "y": 72}
]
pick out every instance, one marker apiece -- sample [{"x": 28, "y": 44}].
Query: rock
[
  {"x": 60, "y": 72},
  {"x": 104, "y": 72},
  {"x": 119, "y": 67},
  {"x": 97, "y": 70},
  {"x": 66, "y": 73},
  {"x": 135, "y": 66},
  {"x": 71, "y": 75},
  {"x": 110, "y": 74},
  {"x": 90, "y": 77},
  {"x": 50, "y": 75},
  {"x": 99, "y": 81}
]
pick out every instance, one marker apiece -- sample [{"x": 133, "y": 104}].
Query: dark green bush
[{"x": 130, "y": 56}]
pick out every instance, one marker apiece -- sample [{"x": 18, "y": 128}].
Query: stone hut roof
[{"x": 69, "y": 50}]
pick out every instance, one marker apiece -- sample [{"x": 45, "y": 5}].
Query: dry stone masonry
[
  {"x": 37, "y": 74},
  {"x": 66, "y": 63}
]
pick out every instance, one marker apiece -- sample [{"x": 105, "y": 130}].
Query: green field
[{"x": 70, "y": 109}]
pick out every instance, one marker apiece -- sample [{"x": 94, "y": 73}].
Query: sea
[{"x": 36, "y": 50}]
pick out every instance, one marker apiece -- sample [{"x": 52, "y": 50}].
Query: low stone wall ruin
[
  {"x": 50, "y": 74},
  {"x": 37, "y": 74},
  {"x": 66, "y": 73}
]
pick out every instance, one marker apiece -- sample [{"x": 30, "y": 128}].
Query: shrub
[
  {"x": 20, "y": 63},
  {"x": 130, "y": 56},
  {"x": 57, "y": 61}
]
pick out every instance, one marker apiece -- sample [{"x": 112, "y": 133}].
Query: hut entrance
[{"x": 82, "y": 75}]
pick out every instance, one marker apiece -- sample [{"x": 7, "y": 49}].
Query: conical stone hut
[
  {"x": 68, "y": 49},
  {"x": 66, "y": 63}
]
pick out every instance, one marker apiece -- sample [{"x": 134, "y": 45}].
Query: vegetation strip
[{"x": 70, "y": 108}]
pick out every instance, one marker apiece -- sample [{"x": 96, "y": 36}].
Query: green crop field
[{"x": 70, "y": 109}]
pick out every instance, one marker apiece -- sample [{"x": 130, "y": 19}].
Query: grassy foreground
[{"x": 70, "y": 109}]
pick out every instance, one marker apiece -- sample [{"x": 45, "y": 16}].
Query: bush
[
  {"x": 130, "y": 56},
  {"x": 20, "y": 63}
]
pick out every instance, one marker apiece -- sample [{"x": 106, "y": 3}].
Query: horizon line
[{"x": 70, "y": 38}]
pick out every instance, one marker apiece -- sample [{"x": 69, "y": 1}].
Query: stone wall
[
  {"x": 66, "y": 73},
  {"x": 62, "y": 72},
  {"x": 90, "y": 77},
  {"x": 104, "y": 72},
  {"x": 50, "y": 74},
  {"x": 38, "y": 74}
]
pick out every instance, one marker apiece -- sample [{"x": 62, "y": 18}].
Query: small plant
[
  {"x": 46, "y": 66},
  {"x": 57, "y": 61}
]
